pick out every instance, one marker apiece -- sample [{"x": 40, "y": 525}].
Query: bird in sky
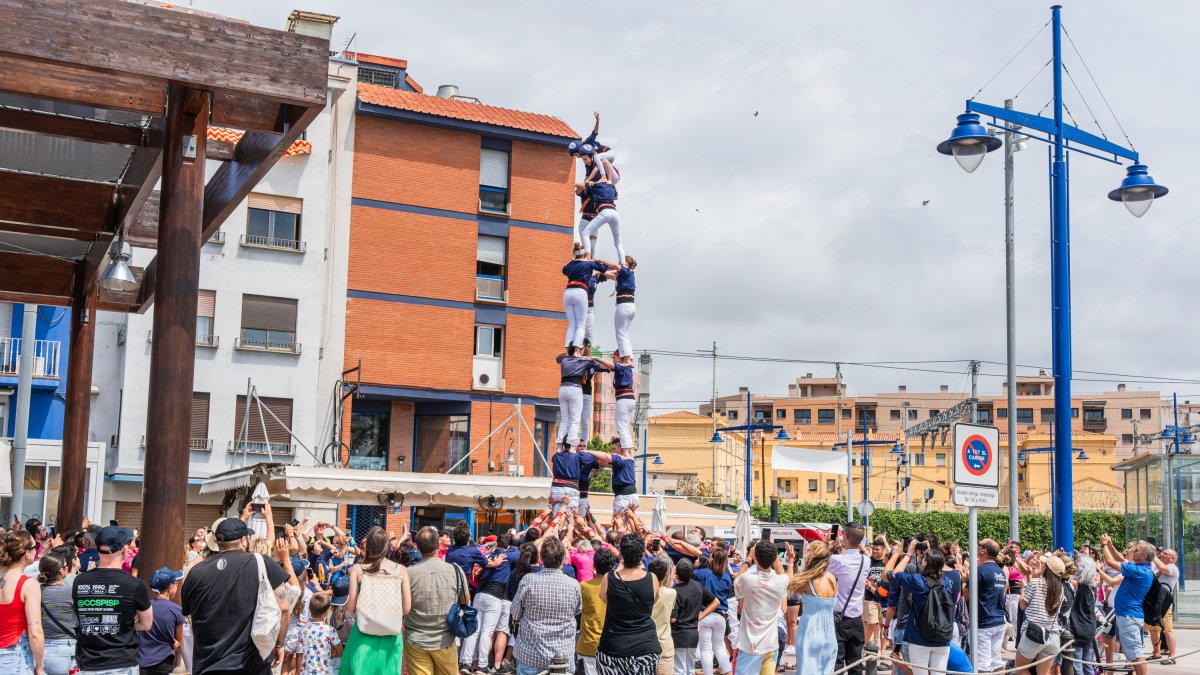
[
  {"x": 756, "y": 113},
  {"x": 925, "y": 203},
  {"x": 697, "y": 210}
]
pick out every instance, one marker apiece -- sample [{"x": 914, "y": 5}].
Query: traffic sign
[
  {"x": 866, "y": 508},
  {"x": 977, "y": 497},
  {"x": 975, "y": 455}
]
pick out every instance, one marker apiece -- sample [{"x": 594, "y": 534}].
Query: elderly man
[
  {"x": 545, "y": 607},
  {"x": 1168, "y": 575},
  {"x": 1137, "y": 571},
  {"x": 437, "y": 585}
]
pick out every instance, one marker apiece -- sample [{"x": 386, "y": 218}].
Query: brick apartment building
[{"x": 461, "y": 219}]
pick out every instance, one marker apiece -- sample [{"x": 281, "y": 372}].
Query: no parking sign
[{"x": 976, "y": 462}]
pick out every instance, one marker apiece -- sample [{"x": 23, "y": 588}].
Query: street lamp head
[
  {"x": 658, "y": 460},
  {"x": 1082, "y": 456},
  {"x": 897, "y": 450},
  {"x": 1138, "y": 191},
  {"x": 782, "y": 435},
  {"x": 716, "y": 438},
  {"x": 969, "y": 142},
  {"x": 1022, "y": 456}
]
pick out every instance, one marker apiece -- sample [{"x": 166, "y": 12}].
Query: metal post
[
  {"x": 866, "y": 460},
  {"x": 849, "y": 475},
  {"x": 973, "y": 544},
  {"x": 907, "y": 464},
  {"x": 749, "y": 419},
  {"x": 21, "y": 426},
  {"x": 762, "y": 466},
  {"x": 1178, "y": 495},
  {"x": 714, "y": 417},
  {"x": 1062, "y": 517},
  {"x": 837, "y": 385},
  {"x": 1010, "y": 288}
]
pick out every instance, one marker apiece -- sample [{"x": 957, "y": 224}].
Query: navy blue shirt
[
  {"x": 625, "y": 281},
  {"x": 918, "y": 589},
  {"x": 990, "y": 585},
  {"x": 719, "y": 586},
  {"x": 498, "y": 574},
  {"x": 581, "y": 270},
  {"x": 569, "y": 466},
  {"x": 622, "y": 474},
  {"x": 466, "y": 557},
  {"x": 622, "y": 376},
  {"x": 575, "y": 366},
  {"x": 602, "y": 194},
  {"x": 591, "y": 290}
]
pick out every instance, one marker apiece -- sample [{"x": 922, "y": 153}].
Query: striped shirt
[{"x": 1035, "y": 611}]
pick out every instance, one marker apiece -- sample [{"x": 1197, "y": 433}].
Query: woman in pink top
[
  {"x": 582, "y": 558},
  {"x": 21, "y": 637}
]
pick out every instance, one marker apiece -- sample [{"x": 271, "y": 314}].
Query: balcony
[
  {"x": 256, "y": 241},
  {"x": 1094, "y": 420},
  {"x": 217, "y": 238},
  {"x": 257, "y": 345},
  {"x": 281, "y": 449},
  {"x": 367, "y": 463},
  {"x": 45, "y": 357},
  {"x": 211, "y": 341},
  {"x": 201, "y": 444}
]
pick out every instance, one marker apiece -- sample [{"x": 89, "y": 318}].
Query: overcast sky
[{"x": 801, "y": 233}]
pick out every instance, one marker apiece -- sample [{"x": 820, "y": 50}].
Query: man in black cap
[
  {"x": 220, "y": 595},
  {"x": 110, "y": 606}
]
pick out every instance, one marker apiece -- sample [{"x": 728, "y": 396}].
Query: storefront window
[
  {"x": 369, "y": 441},
  {"x": 442, "y": 444}
]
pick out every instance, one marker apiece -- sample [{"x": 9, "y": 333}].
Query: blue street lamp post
[
  {"x": 782, "y": 435},
  {"x": 644, "y": 457},
  {"x": 866, "y": 444},
  {"x": 969, "y": 142}
]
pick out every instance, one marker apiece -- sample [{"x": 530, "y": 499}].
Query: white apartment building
[{"x": 270, "y": 317}]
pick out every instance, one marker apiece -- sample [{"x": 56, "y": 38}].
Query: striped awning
[{"x": 226, "y": 135}]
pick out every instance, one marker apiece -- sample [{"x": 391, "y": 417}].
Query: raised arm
[{"x": 1112, "y": 557}]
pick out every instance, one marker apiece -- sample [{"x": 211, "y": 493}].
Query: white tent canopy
[
  {"x": 788, "y": 458},
  {"x": 358, "y": 486}
]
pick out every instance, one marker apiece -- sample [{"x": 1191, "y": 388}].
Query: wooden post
[
  {"x": 173, "y": 353},
  {"x": 79, "y": 403}
]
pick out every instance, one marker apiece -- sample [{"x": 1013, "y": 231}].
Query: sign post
[{"x": 976, "y": 483}]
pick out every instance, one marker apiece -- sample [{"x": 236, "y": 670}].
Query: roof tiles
[{"x": 463, "y": 110}]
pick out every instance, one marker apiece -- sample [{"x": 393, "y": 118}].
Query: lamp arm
[{"x": 1046, "y": 126}]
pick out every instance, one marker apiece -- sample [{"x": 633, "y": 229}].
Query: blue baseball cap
[
  {"x": 587, "y": 149},
  {"x": 573, "y": 147},
  {"x": 341, "y": 591},
  {"x": 164, "y": 577},
  {"x": 299, "y": 564},
  {"x": 112, "y": 539}
]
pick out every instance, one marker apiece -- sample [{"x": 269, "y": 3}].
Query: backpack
[
  {"x": 267, "y": 617},
  {"x": 1157, "y": 601},
  {"x": 936, "y": 623}
]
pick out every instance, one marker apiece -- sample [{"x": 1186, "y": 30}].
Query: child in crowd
[
  {"x": 321, "y": 641},
  {"x": 158, "y": 646}
]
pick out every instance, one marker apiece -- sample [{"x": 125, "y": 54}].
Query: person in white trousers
[
  {"x": 596, "y": 155},
  {"x": 578, "y": 272},
  {"x": 623, "y": 386},
  {"x": 590, "y": 323},
  {"x": 625, "y": 309},
  {"x": 585, "y": 417},
  {"x": 587, "y": 211},
  {"x": 604, "y": 195}
]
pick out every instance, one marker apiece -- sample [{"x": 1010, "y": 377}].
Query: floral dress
[{"x": 319, "y": 640}]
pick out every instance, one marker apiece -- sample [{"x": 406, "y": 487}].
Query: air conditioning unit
[{"x": 485, "y": 374}]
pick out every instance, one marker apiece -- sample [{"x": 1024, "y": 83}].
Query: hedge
[{"x": 1035, "y": 527}]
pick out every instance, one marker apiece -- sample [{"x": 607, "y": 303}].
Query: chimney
[
  {"x": 903, "y": 387},
  {"x": 743, "y": 390},
  {"x": 311, "y": 24},
  {"x": 793, "y": 390},
  {"x": 1041, "y": 373},
  {"x": 447, "y": 91},
  {"x": 1121, "y": 387},
  {"x": 944, "y": 387},
  {"x": 808, "y": 375}
]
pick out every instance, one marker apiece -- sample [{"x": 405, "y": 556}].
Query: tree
[{"x": 601, "y": 478}]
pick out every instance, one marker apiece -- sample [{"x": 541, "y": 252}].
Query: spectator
[
  {"x": 436, "y": 586},
  {"x": 989, "y": 583},
  {"x": 380, "y": 595},
  {"x": 1168, "y": 575},
  {"x": 872, "y": 614},
  {"x": 760, "y": 598},
  {"x": 850, "y": 567},
  {"x": 693, "y": 602},
  {"x": 489, "y": 601},
  {"x": 591, "y": 623},
  {"x": 195, "y": 550},
  {"x": 157, "y": 647},
  {"x": 629, "y": 642},
  {"x": 923, "y": 651},
  {"x": 443, "y": 545},
  {"x": 59, "y": 625},
  {"x": 21, "y": 637},
  {"x": 220, "y": 595},
  {"x": 110, "y": 606},
  {"x": 716, "y": 579},
  {"x": 816, "y": 640},
  {"x": 462, "y": 553},
  {"x": 89, "y": 558},
  {"x": 1082, "y": 623},
  {"x": 664, "y": 606},
  {"x": 321, "y": 640},
  {"x": 1137, "y": 572},
  {"x": 545, "y": 606},
  {"x": 1042, "y": 602}
]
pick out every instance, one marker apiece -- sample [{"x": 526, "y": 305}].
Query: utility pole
[
  {"x": 714, "y": 417},
  {"x": 837, "y": 386},
  {"x": 1010, "y": 288},
  {"x": 20, "y": 441},
  {"x": 907, "y": 463},
  {"x": 973, "y": 527}
]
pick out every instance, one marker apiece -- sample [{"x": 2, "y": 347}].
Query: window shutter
[
  {"x": 206, "y": 303},
  {"x": 200, "y": 414},
  {"x": 265, "y": 313},
  {"x": 258, "y": 200},
  {"x": 493, "y": 168},
  {"x": 492, "y": 249},
  {"x": 276, "y": 432}
]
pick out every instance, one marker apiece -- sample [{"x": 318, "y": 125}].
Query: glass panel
[
  {"x": 258, "y": 223},
  {"x": 493, "y": 200},
  {"x": 441, "y": 443},
  {"x": 539, "y": 454},
  {"x": 204, "y": 329},
  {"x": 284, "y": 225},
  {"x": 369, "y": 441}
]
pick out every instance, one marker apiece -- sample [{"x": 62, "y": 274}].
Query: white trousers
[
  {"x": 589, "y": 665},
  {"x": 584, "y": 221},
  {"x": 557, "y": 492},
  {"x": 991, "y": 648},
  {"x": 685, "y": 660},
  {"x": 575, "y": 305},
  {"x": 475, "y": 648},
  {"x": 613, "y": 176},
  {"x": 622, "y": 320},
  {"x": 1013, "y": 603},
  {"x": 589, "y": 323},
  {"x": 570, "y": 405},
  {"x": 612, "y": 219},
  {"x": 931, "y": 657},
  {"x": 625, "y": 407},
  {"x": 712, "y": 643},
  {"x": 585, "y": 420}
]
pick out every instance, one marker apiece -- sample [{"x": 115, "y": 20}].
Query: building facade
[
  {"x": 461, "y": 221},
  {"x": 269, "y": 326}
]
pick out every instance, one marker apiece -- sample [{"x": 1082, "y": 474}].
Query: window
[
  {"x": 262, "y": 432},
  {"x": 206, "y": 305},
  {"x": 912, "y": 413},
  {"x": 1093, "y": 415},
  {"x": 1074, "y": 413},
  {"x": 199, "y": 435},
  {"x": 442, "y": 444},
  {"x": 273, "y": 222},
  {"x": 846, "y": 413},
  {"x": 894, "y": 415},
  {"x": 918, "y": 459},
  {"x": 934, "y": 412},
  {"x": 756, "y": 475},
  {"x": 830, "y": 484},
  {"x": 1024, "y": 415},
  {"x": 761, "y": 416},
  {"x": 1126, "y": 413},
  {"x": 983, "y": 416},
  {"x": 1047, "y": 414},
  {"x": 493, "y": 175},
  {"x": 1002, "y": 413},
  {"x": 379, "y": 76},
  {"x": 781, "y": 414},
  {"x": 866, "y": 418},
  {"x": 825, "y": 416},
  {"x": 802, "y": 416},
  {"x": 812, "y": 484},
  {"x": 489, "y": 267},
  {"x": 1144, "y": 413},
  {"x": 940, "y": 459},
  {"x": 369, "y": 440},
  {"x": 732, "y": 414},
  {"x": 1127, "y": 439},
  {"x": 489, "y": 341},
  {"x": 268, "y": 324}
]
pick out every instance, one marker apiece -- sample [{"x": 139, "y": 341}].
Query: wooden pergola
[{"x": 99, "y": 101}]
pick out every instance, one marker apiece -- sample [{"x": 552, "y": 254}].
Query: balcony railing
[
  {"x": 201, "y": 340},
  {"x": 252, "y": 344},
  {"x": 45, "y": 357},
  {"x": 217, "y": 238},
  {"x": 204, "y": 444},
  {"x": 367, "y": 463},
  {"x": 263, "y": 448},
  {"x": 256, "y": 241}
]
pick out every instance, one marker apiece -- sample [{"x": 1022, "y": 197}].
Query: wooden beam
[
  {"x": 247, "y": 114},
  {"x": 45, "y": 231},
  {"x": 202, "y": 52},
  {"x": 31, "y": 274},
  {"x": 55, "y": 202},
  {"x": 22, "y": 298},
  {"x": 64, "y": 126},
  {"x": 64, "y": 82},
  {"x": 78, "y": 402}
]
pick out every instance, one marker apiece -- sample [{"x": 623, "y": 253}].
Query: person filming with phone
[{"x": 851, "y": 568}]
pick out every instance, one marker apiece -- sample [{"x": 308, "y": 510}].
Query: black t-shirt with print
[
  {"x": 106, "y": 604},
  {"x": 221, "y": 595}
]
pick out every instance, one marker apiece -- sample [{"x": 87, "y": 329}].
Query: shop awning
[{"x": 359, "y": 486}]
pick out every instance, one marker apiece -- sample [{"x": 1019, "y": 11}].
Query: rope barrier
[{"x": 1130, "y": 663}]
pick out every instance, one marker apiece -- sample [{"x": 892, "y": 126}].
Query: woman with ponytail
[
  {"x": 59, "y": 623},
  {"x": 1042, "y": 602},
  {"x": 716, "y": 579},
  {"x": 21, "y": 637},
  {"x": 579, "y": 273}
]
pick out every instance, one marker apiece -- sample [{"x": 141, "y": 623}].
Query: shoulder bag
[
  {"x": 380, "y": 606},
  {"x": 264, "y": 631},
  {"x": 463, "y": 619}
]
